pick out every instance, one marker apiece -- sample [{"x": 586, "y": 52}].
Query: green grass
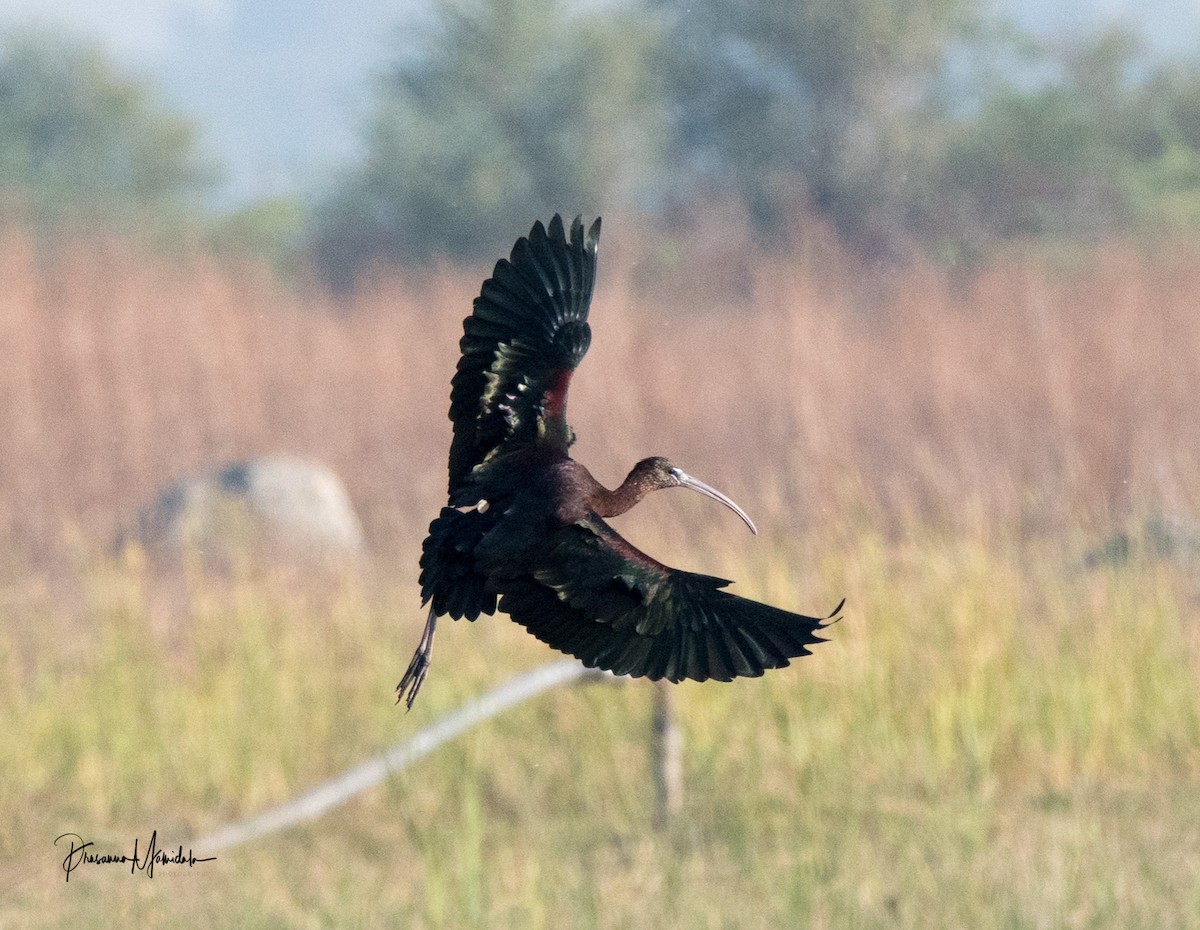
[{"x": 991, "y": 738}]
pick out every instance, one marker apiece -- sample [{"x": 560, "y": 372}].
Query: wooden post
[{"x": 666, "y": 752}]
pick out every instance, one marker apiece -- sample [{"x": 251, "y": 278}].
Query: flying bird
[{"x": 525, "y": 530}]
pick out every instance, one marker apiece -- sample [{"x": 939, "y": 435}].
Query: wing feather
[
  {"x": 448, "y": 570},
  {"x": 527, "y": 332},
  {"x": 589, "y": 597}
]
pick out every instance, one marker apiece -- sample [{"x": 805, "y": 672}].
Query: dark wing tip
[
  {"x": 592, "y": 242},
  {"x": 538, "y": 232},
  {"x": 589, "y": 242}
]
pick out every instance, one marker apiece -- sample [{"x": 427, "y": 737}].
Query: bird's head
[{"x": 658, "y": 472}]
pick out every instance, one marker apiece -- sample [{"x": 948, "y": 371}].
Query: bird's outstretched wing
[
  {"x": 526, "y": 335},
  {"x": 595, "y": 596}
]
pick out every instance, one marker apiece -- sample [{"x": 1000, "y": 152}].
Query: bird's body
[{"x": 525, "y": 532}]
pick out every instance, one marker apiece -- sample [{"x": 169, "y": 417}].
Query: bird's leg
[{"x": 414, "y": 677}]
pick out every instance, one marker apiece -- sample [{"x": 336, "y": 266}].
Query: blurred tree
[
  {"x": 918, "y": 122},
  {"x": 78, "y": 139},
  {"x": 503, "y": 110},
  {"x": 1164, "y": 189},
  {"x": 1106, "y": 145},
  {"x": 817, "y": 103},
  {"x": 272, "y": 229}
]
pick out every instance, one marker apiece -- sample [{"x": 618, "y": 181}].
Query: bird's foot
[
  {"x": 414, "y": 675},
  {"x": 413, "y": 678}
]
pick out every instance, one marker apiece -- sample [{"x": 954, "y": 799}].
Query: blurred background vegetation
[
  {"x": 83, "y": 143},
  {"x": 930, "y": 128},
  {"x": 914, "y": 283}
]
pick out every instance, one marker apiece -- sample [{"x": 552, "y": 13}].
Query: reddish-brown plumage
[
  {"x": 583, "y": 494},
  {"x": 577, "y": 493},
  {"x": 555, "y": 404},
  {"x": 646, "y": 476}
]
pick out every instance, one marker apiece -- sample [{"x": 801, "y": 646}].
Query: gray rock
[
  {"x": 272, "y": 508},
  {"x": 1160, "y": 537},
  {"x": 1173, "y": 537}
]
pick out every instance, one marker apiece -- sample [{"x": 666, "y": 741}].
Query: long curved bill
[{"x": 687, "y": 481}]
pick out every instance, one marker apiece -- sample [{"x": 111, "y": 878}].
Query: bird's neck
[{"x": 616, "y": 502}]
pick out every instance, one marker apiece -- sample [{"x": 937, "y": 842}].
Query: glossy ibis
[{"x": 525, "y": 529}]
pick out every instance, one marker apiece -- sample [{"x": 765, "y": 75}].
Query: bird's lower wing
[{"x": 595, "y": 596}]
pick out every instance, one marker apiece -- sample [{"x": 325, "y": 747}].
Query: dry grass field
[{"x": 994, "y": 737}]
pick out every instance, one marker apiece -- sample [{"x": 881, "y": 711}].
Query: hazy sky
[
  {"x": 136, "y": 28},
  {"x": 280, "y": 87},
  {"x": 153, "y": 27}
]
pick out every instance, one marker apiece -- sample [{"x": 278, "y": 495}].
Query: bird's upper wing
[
  {"x": 526, "y": 335},
  {"x": 595, "y": 596}
]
